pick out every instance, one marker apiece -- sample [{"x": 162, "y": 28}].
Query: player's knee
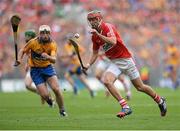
[
  {"x": 108, "y": 79},
  {"x": 107, "y": 82},
  {"x": 121, "y": 78},
  {"x": 27, "y": 83},
  {"x": 56, "y": 90},
  {"x": 98, "y": 77},
  {"x": 140, "y": 87},
  {"x": 27, "y": 86}
]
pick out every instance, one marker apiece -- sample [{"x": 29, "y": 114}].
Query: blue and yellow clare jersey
[
  {"x": 35, "y": 48},
  {"x": 71, "y": 51},
  {"x": 173, "y": 55}
]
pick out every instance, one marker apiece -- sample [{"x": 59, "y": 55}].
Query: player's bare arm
[
  {"x": 93, "y": 58},
  {"x": 48, "y": 57},
  {"x": 21, "y": 54},
  {"x": 109, "y": 40}
]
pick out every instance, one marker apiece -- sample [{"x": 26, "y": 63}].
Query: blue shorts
[
  {"x": 39, "y": 75},
  {"x": 77, "y": 71}
]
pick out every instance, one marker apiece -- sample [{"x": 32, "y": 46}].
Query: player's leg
[
  {"x": 169, "y": 74},
  {"x": 133, "y": 73},
  {"x": 85, "y": 82},
  {"x": 98, "y": 73},
  {"x": 117, "y": 72},
  {"x": 108, "y": 80},
  {"x": 71, "y": 81},
  {"x": 28, "y": 83},
  {"x": 50, "y": 95},
  {"x": 138, "y": 84},
  {"x": 83, "y": 79},
  {"x": 40, "y": 82},
  {"x": 53, "y": 83},
  {"x": 31, "y": 86},
  {"x": 173, "y": 75},
  {"x": 126, "y": 87},
  {"x": 99, "y": 70},
  {"x": 43, "y": 92}
]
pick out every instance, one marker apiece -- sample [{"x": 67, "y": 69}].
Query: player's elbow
[
  {"x": 113, "y": 40},
  {"x": 52, "y": 60}
]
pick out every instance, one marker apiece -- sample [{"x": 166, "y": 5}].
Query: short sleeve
[
  {"x": 109, "y": 31},
  {"x": 28, "y": 47},
  {"x": 54, "y": 49}
]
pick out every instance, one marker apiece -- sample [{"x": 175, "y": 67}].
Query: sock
[
  {"x": 161, "y": 101},
  {"x": 49, "y": 101},
  {"x": 62, "y": 109},
  {"x": 157, "y": 99},
  {"x": 123, "y": 103}
]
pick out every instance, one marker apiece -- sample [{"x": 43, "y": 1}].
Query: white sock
[
  {"x": 123, "y": 103},
  {"x": 161, "y": 101}
]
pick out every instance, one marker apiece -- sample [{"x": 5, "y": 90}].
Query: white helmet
[{"x": 44, "y": 28}]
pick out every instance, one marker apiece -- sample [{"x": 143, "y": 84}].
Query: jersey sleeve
[
  {"x": 54, "y": 49},
  {"x": 28, "y": 47},
  {"x": 110, "y": 31}
]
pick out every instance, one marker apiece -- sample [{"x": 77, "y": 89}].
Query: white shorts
[
  {"x": 128, "y": 67},
  {"x": 113, "y": 69},
  {"x": 102, "y": 65}
]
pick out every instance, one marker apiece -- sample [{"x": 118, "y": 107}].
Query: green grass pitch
[{"x": 24, "y": 111}]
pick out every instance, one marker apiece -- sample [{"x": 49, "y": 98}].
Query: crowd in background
[{"x": 146, "y": 26}]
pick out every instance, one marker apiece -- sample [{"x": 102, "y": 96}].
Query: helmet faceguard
[
  {"x": 44, "y": 34},
  {"x": 96, "y": 17}
]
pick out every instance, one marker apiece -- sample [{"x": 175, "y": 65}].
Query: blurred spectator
[
  {"x": 172, "y": 59},
  {"x": 145, "y": 74}
]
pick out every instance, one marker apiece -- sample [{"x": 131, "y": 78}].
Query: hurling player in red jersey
[{"x": 106, "y": 36}]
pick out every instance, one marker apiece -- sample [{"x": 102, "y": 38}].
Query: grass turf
[{"x": 23, "y": 111}]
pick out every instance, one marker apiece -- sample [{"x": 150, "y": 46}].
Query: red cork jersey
[{"x": 118, "y": 50}]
